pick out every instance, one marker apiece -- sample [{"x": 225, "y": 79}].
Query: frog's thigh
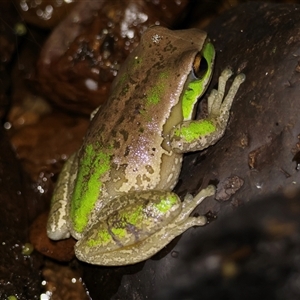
[
  {"x": 57, "y": 228},
  {"x": 154, "y": 243},
  {"x": 148, "y": 247}
]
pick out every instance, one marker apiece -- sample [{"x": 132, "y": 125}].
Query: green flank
[{"x": 88, "y": 185}]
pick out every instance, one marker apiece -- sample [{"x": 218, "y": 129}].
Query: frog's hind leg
[
  {"x": 190, "y": 203},
  {"x": 154, "y": 243},
  {"x": 57, "y": 227}
]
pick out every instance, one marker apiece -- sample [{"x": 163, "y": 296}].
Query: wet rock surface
[
  {"x": 252, "y": 253},
  {"x": 19, "y": 273},
  {"x": 80, "y": 59},
  {"x": 258, "y": 155},
  {"x": 262, "y": 137},
  {"x": 254, "y": 158}
]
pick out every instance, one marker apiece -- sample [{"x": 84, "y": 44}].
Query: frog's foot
[
  {"x": 144, "y": 249},
  {"x": 190, "y": 203},
  {"x": 195, "y": 135}
]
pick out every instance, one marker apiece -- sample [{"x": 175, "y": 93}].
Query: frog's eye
[{"x": 200, "y": 66}]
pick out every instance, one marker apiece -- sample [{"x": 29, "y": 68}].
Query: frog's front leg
[
  {"x": 138, "y": 228},
  {"x": 194, "y": 135},
  {"x": 57, "y": 226}
]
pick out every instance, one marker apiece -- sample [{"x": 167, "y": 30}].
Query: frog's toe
[
  {"x": 226, "y": 105},
  {"x": 199, "y": 221},
  {"x": 188, "y": 198},
  {"x": 210, "y": 190},
  {"x": 240, "y": 78},
  {"x": 226, "y": 74}
]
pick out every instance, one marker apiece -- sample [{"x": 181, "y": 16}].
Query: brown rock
[
  {"x": 59, "y": 250},
  {"x": 80, "y": 59}
]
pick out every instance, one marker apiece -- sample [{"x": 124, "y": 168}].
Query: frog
[{"x": 115, "y": 194}]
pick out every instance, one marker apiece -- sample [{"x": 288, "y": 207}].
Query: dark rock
[
  {"x": 255, "y": 155},
  {"x": 62, "y": 250},
  {"x": 262, "y": 137},
  {"x": 19, "y": 273},
  {"x": 80, "y": 59},
  {"x": 8, "y": 40},
  {"x": 252, "y": 253}
]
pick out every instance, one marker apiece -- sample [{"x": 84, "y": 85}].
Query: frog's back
[{"x": 127, "y": 134}]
